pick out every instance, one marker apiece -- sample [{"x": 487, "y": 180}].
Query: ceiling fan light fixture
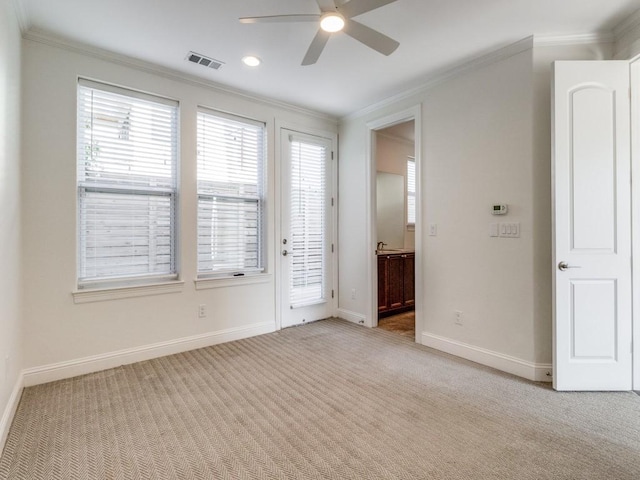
[
  {"x": 251, "y": 61},
  {"x": 332, "y": 22}
]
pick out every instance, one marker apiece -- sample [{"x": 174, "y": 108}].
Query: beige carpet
[{"x": 327, "y": 400}]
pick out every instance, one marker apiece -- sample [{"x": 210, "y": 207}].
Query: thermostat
[{"x": 499, "y": 209}]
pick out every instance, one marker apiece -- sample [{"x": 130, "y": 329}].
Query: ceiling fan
[{"x": 335, "y": 18}]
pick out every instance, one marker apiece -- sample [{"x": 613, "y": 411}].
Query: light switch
[
  {"x": 433, "y": 229},
  {"x": 493, "y": 230},
  {"x": 510, "y": 230}
]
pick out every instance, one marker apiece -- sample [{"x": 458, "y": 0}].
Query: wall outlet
[
  {"x": 202, "y": 311},
  {"x": 458, "y": 317},
  {"x": 353, "y": 294}
]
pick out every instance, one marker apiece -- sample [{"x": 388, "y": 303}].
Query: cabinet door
[
  {"x": 396, "y": 281},
  {"x": 383, "y": 284},
  {"x": 409, "y": 279}
]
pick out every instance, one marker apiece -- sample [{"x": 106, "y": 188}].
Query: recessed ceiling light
[
  {"x": 251, "y": 61},
  {"x": 332, "y": 22}
]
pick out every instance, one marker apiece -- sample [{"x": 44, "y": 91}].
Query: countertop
[{"x": 395, "y": 251}]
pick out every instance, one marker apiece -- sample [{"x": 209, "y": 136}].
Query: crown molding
[
  {"x": 573, "y": 39},
  {"x": 446, "y": 74},
  {"x": 627, "y": 24},
  {"x": 481, "y": 61},
  {"x": 22, "y": 14},
  {"x": 46, "y": 38}
]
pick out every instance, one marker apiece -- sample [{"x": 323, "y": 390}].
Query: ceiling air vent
[{"x": 205, "y": 61}]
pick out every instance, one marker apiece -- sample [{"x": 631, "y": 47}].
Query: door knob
[
  {"x": 562, "y": 266},
  {"x": 284, "y": 253}
]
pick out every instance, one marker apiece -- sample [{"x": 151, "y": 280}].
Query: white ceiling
[{"x": 434, "y": 35}]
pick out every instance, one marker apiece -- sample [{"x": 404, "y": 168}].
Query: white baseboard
[
  {"x": 532, "y": 371},
  {"x": 95, "y": 363},
  {"x": 10, "y": 410},
  {"x": 352, "y": 316}
]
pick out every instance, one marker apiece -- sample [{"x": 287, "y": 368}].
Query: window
[
  {"x": 127, "y": 170},
  {"x": 411, "y": 191},
  {"x": 230, "y": 160},
  {"x": 308, "y": 221}
]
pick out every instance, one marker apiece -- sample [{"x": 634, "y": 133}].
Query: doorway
[
  {"x": 395, "y": 224},
  {"x": 395, "y": 218}
]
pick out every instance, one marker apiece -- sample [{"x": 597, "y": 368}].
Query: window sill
[
  {"x": 115, "y": 293},
  {"x": 220, "y": 282}
]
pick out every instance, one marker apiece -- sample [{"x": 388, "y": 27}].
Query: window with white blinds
[
  {"x": 411, "y": 191},
  {"x": 307, "y": 222},
  {"x": 126, "y": 177},
  {"x": 230, "y": 163}
]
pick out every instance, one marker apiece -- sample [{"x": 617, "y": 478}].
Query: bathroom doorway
[{"x": 395, "y": 224}]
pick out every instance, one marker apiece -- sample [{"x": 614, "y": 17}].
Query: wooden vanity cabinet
[{"x": 396, "y": 283}]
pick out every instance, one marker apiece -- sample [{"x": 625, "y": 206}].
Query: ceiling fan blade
[
  {"x": 316, "y": 47},
  {"x": 326, "y": 5},
  {"x": 357, "y": 7},
  {"x": 282, "y": 18},
  {"x": 371, "y": 38}
]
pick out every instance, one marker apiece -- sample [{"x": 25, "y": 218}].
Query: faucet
[{"x": 381, "y": 246}]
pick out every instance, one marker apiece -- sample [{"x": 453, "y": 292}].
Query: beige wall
[
  {"x": 10, "y": 315},
  {"x": 485, "y": 139},
  {"x": 58, "y": 330}
]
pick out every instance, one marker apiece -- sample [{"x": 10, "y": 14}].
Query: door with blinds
[{"x": 307, "y": 229}]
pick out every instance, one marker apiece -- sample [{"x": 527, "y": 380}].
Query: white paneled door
[
  {"x": 305, "y": 241},
  {"x": 592, "y": 226}
]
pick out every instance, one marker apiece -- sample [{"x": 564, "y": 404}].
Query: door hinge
[
  {"x": 331, "y": 293},
  {"x": 332, "y": 248},
  {"x": 332, "y": 201},
  {"x": 332, "y": 152}
]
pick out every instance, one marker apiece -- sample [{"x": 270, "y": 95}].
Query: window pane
[
  {"x": 308, "y": 222},
  {"x": 228, "y": 234},
  {"x": 230, "y": 161},
  {"x": 125, "y": 141},
  {"x": 411, "y": 191},
  {"x": 125, "y": 234}
]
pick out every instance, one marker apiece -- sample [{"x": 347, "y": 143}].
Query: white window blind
[
  {"x": 308, "y": 222},
  {"x": 411, "y": 191},
  {"x": 230, "y": 158},
  {"x": 127, "y": 170}
]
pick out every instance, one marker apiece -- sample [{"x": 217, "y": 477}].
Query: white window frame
[
  {"x": 120, "y": 283},
  {"x": 215, "y": 277}
]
